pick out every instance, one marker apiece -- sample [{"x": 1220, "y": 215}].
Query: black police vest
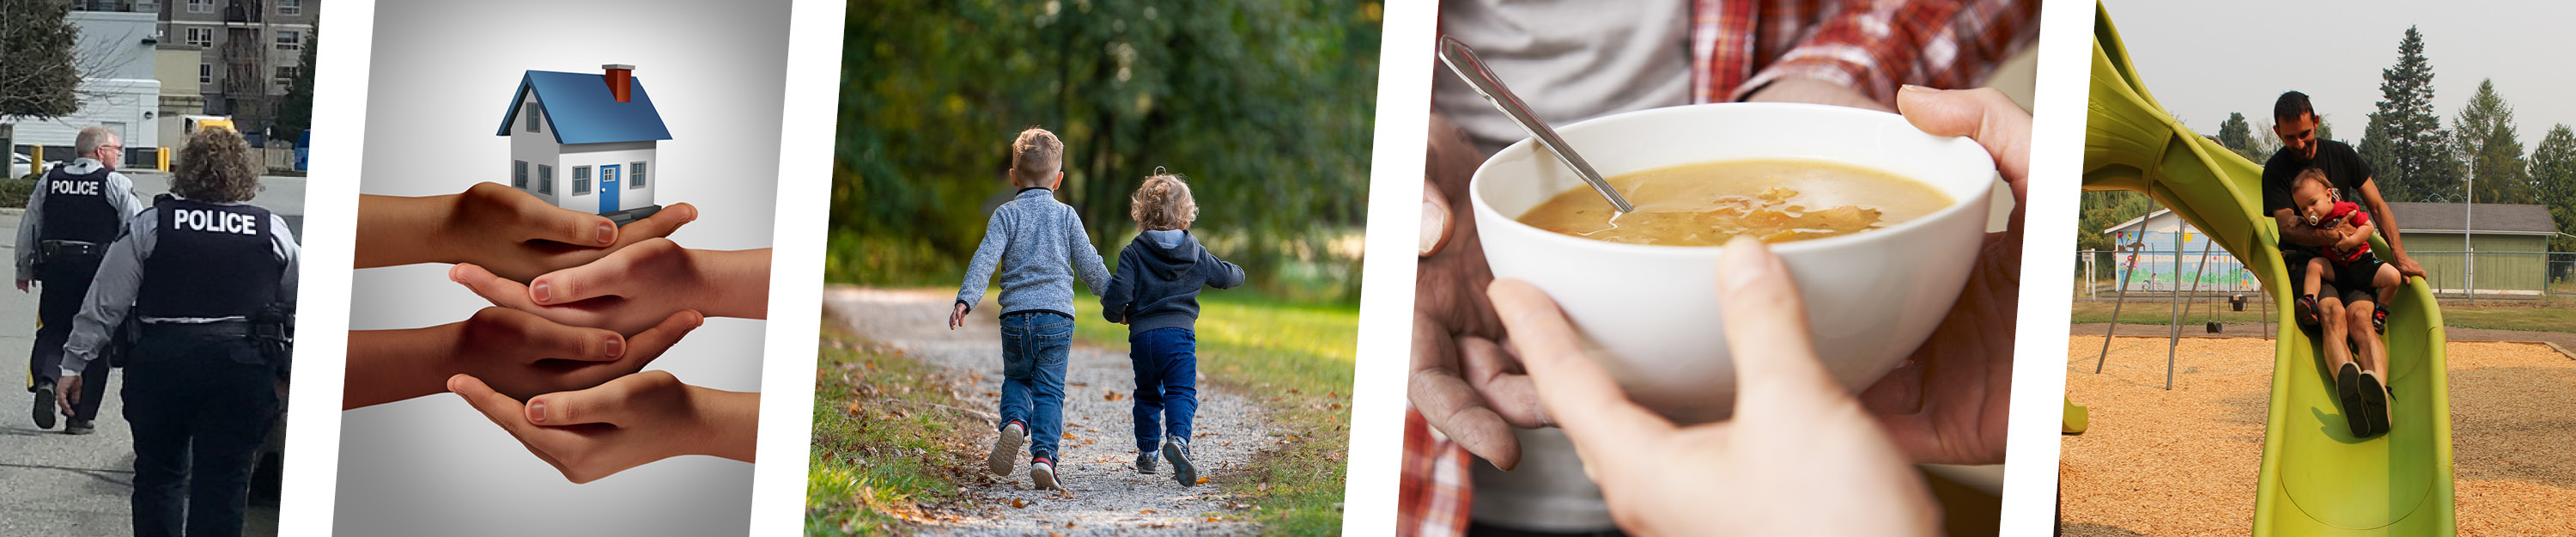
[
  {"x": 209, "y": 261},
  {"x": 76, "y": 208}
]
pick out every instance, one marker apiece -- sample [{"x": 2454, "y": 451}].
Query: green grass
[
  {"x": 2492, "y": 314},
  {"x": 1296, "y": 360},
  {"x": 873, "y": 456}
]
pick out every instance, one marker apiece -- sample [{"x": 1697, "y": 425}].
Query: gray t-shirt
[
  {"x": 1569, "y": 61},
  {"x": 1038, "y": 245}
]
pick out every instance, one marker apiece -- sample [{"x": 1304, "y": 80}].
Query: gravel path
[
  {"x": 1104, "y": 494},
  {"x": 2183, "y": 462}
]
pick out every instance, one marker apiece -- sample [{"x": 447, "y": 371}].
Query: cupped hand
[
  {"x": 523, "y": 355},
  {"x": 518, "y": 236},
  {"x": 628, "y": 422},
  {"x": 1461, "y": 381},
  {"x": 632, "y": 289},
  {"x": 1800, "y": 456}
]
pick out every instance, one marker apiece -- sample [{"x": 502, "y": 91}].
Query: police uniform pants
[
  {"x": 200, "y": 407},
  {"x": 65, "y": 284}
]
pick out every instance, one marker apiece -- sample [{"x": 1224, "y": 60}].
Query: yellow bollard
[
  {"x": 164, "y": 154},
  {"x": 37, "y": 164}
]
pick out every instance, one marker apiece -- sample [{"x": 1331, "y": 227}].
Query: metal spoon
[{"x": 1463, "y": 62}]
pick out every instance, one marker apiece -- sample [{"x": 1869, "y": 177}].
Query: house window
[
  {"x": 201, "y": 6},
  {"x": 290, "y": 7},
  {"x": 290, "y": 40},
  {"x": 531, "y": 111},
  {"x": 634, "y": 175},
  {"x": 286, "y": 75},
  {"x": 519, "y": 174},
  {"x": 545, "y": 179},
  {"x": 202, "y": 37},
  {"x": 205, "y": 74},
  {"x": 580, "y": 180}
]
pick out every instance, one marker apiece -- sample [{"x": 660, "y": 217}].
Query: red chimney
[{"x": 621, "y": 79}]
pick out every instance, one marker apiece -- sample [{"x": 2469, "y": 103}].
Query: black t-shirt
[{"x": 2344, "y": 170}]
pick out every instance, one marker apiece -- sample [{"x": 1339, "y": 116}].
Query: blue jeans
[
  {"x": 1033, "y": 357},
  {"x": 1167, "y": 393}
]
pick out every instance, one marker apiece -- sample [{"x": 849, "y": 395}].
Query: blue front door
[{"x": 608, "y": 188}]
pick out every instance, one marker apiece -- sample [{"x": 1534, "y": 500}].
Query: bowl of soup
[{"x": 1878, "y": 223}]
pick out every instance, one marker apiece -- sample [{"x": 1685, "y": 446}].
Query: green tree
[
  {"x": 2409, "y": 153},
  {"x": 2236, "y": 134},
  {"x": 295, "y": 110},
  {"x": 1267, "y": 107},
  {"x": 2484, "y": 135},
  {"x": 2553, "y": 167},
  {"x": 37, "y": 78}
]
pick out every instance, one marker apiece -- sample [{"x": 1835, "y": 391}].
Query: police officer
[
  {"x": 204, "y": 272},
  {"x": 76, "y": 210}
]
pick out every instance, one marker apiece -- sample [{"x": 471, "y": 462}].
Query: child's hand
[
  {"x": 523, "y": 355},
  {"x": 957, "y": 316},
  {"x": 628, "y": 422},
  {"x": 632, "y": 289}
]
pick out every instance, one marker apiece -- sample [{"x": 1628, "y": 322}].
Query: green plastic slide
[{"x": 2317, "y": 479}]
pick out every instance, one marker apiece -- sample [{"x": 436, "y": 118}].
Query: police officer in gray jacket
[
  {"x": 76, "y": 210},
  {"x": 205, "y": 273}
]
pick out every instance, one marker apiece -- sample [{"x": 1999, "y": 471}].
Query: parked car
[{"x": 20, "y": 165}]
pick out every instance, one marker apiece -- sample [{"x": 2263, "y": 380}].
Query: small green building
[{"x": 2509, "y": 242}]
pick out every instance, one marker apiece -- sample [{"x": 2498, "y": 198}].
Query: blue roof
[{"x": 581, "y": 111}]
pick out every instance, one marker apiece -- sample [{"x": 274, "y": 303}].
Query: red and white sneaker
[{"x": 1042, "y": 474}]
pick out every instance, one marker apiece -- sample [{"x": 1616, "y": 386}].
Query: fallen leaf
[
  {"x": 1202, "y": 481},
  {"x": 1054, "y": 534},
  {"x": 1068, "y": 524},
  {"x": 1017, "y": 503},
  {"x": 1145, "y": 512},
  {"x": 1211, "y": 519},
  {"x": 1337, "y": 406}
]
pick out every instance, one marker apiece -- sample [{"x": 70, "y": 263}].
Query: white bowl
[{"x": 1650, "y": 312}]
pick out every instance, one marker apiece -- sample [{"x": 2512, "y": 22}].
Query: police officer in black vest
[
  {"x": 212, "y": 280},
  {"x": 76, "y": 210}
]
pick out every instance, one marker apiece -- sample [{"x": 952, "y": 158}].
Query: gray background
[{"x": 441, "y": 77}]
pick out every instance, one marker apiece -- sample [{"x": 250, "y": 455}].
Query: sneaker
[
  {"x": 1006, "y": 448},
  {"x": 1042, "y": 474},
  {"x": 44, "y": 404},
  {"x": 2348, "y": 392},
  {"x": 1145, "y": 462},
  {"x": 2374, "y": 401},
  {"x": 77, "y": 426},
  {"x": 1179, "y": 453}
]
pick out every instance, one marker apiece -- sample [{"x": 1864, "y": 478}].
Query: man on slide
[{"x": 2337, "y": 312}]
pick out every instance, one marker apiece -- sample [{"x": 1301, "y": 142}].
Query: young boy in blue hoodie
[
  {"x": 1155, "y": 293},
  {"x": 1040, "y": 245}
]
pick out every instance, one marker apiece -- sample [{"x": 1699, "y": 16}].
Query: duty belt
[
  {"x": 241, "y": 329},
  {"x": 64, "y": 248}
]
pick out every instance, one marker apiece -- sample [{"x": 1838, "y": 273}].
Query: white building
[
  {"x": 118, "y": 89},
  {"x": 586, "y": 141}
]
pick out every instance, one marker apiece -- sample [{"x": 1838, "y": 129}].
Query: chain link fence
[{"x": 2504, "y": 276}]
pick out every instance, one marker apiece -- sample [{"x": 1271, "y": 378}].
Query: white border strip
[
  {"x": 1386, "y": 289},
  {"x": 2039, "y": 348},
  {"x": 815, "y": 29},
  {"x": 322, "y": 293}
]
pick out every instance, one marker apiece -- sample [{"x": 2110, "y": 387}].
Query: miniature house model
[{"x": 585, "y": 141}]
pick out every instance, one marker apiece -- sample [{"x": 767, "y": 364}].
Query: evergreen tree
[
  {"x": 2407, "y": 149},
  {"x": 2553, "y": 167},
  {"x": 295, "y": 110},
  {"x": 2236, "y": 134},
  {"x": 37, "y": 79},
  {"x": 2485, "y": 138}
]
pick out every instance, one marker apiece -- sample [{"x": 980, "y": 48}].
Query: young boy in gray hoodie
[
  {"x": 1155, "y": 293},
  {"x": 1040, "y": 245}
]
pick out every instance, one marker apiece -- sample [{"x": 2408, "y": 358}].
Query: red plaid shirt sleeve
[
  {"x": 1435, "y": 496},
  {"x": 1872, "y": 46}
]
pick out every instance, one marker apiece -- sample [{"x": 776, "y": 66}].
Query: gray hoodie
[{"x": 1158, "y": 280}]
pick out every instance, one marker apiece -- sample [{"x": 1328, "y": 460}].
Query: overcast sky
[{"x": 2206, "y": 58}]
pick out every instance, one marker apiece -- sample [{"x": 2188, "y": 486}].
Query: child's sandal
[
  {"x": 2379, "y": 318},
  {"x": 2307, "y": 310}
]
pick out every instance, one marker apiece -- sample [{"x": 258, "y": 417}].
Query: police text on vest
[
  {"x": 217, "y": 221},
  {"x": 75, "y": 188}
]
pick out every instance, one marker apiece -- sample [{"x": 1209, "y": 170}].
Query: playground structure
[{"x": 2316, "y": 478}]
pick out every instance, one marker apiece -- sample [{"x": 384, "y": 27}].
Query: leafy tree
[
  {"x": 295, "y": 110},
  {"x": 37, "y": 78},
  {"x": 2553, "y": 167},
  {"x": 2409, "y": 153},
  {"x": 2485, "y": 138},
  {"x": 1267, "y": 107}
]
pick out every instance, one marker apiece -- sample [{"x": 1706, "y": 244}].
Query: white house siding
[
  {"x": 620, "y": 154},
  {"x": 537, "y": 148},
  {"x": 120, "y": 104}
]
